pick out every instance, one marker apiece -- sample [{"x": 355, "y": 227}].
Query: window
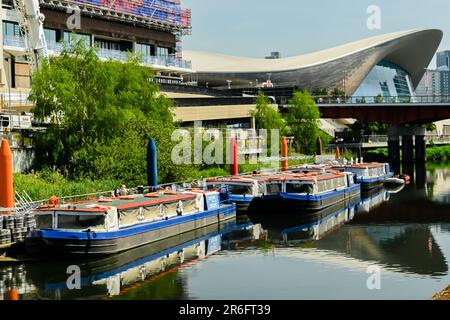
[
  {"x": 10, "y": 29},
  {"x": 144, "y": 49},
  {"x": 44, "y": 220},
  {"x": 69, "y": 37},
  {"x": 162, "y": 52},
  {"x": 386, "y": 79},
  {"x": 80, "y": 221},
  {"x": 240, "y": 189},
  {"x": 299, "y": 188},
  {"x": 273, "y": 188},
  {"x": 50, "y": 36},
  {"x": 108, "y": 44}
]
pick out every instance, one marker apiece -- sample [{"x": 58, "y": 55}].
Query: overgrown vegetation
[{"x": 102, "y": 116}]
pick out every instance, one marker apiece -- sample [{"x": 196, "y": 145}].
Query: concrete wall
[
  {"x": 23, "y": 159},
  {"x": 189, "y": 114}
]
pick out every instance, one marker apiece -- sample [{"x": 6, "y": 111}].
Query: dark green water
[{"x": 404, "y": 235}]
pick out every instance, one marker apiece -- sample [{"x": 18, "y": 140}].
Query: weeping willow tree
[{"x": 101, "y": 115}]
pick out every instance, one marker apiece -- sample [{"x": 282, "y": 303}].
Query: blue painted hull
[
  {"x": 370, "y": 183},
  {"x": 296, "y": 202},
  {"x": 242, "y": 203},
  {"x": 103, "y": 243}
]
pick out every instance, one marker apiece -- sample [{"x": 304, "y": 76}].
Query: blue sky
[{"x": 253, "y": 28}]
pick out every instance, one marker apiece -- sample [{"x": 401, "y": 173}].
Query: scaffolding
[{"x": 160, "y": 14}]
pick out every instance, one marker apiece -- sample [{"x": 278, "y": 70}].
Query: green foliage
[
  {"x": 90, "y": 101},
  {"x": 430, "y": 127},
  {"x": 302, "y": 120},
  {"x": 434, "y": 154},
  {"x": 369, "y": 128},
  {"x": 47, "y": 183},
  {"x": 379, "y": 99},
  {"x": 103, "y": 114},
  {"x": 376, "y": 155},
  {"x": 267, "y": 117}
]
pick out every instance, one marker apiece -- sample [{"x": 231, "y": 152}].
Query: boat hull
[
  {"x": 242, "y": 203},
  {"x": 294, "y": 202},
  {"x": 55, "y": 242},
  {"x": 372, "y": 183}
]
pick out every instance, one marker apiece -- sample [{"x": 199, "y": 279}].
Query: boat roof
[
  {"x": 370, "y": 165},
  {"x": 121, "y": 203},
  {"x": 311, "y": 176},
  {"x": 249, "y": 178}
]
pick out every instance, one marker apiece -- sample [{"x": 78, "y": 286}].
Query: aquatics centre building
[{"x": 387, "y": 65}]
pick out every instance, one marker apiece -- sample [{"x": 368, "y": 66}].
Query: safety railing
[{"x": 323, "y": 100}]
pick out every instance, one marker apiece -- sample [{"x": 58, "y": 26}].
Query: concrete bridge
[{"x": 407, "y": 116}]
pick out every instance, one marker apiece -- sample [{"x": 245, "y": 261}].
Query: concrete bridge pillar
[
  {"x": 407, "y": 149},
  {"x": 421, "y": 156},
  {"x": 394, "y": 149}
]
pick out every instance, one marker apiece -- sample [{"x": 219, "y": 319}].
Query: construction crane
[{"x": 31, "y": 26}]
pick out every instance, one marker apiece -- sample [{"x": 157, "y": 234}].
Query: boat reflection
[
  {"x": 346, "y": 234},
  {"x": 373, "y": 199},
  {"x": 289, "y": 229},
  {"x": 115, "y": 275}
]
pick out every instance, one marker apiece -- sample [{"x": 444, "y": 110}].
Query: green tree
[
  {"x": 103, "y": 113},
  {"x": 266, "y": 117},
  {"x": 369, "y": 128},
  {"x": 302, "y": 120}
]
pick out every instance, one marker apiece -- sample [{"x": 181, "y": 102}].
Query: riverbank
[
  {"x": 444, "y": 295},
  {"x": 434, "y": 154},
  {"x": 43, "y": 184}
]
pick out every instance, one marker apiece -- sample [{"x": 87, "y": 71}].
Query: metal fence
[{"x": 320, "y": 100}]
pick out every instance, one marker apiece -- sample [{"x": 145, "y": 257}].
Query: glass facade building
[{"x": 386, "y": 79}]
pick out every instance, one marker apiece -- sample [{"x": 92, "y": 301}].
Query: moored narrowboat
[
  {"x": 112, "y": 225},
  {"x": 243, "y": 190},
  {"x": 311, "y": 191},
  {"x": 369, "y": 175}
]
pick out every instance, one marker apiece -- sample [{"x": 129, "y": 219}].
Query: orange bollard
[
  {"x": 284, "y": 154},
  {"x": 338, "y": 153},
  {"x": 234, "y": 166},
  {"x": 6, "y": 176},
  {"x": 12, "y": 295}
]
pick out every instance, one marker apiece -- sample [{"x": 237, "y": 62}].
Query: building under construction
[{"x": 153, "y": 28}]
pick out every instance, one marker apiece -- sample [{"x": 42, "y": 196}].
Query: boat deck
[{"x": 122, "y": 203}]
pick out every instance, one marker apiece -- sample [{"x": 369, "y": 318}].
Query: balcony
[
  {"x": 152, "y": 61},
  {"x": 13, "y": 41},
  {"x": 167, "y": 61}
]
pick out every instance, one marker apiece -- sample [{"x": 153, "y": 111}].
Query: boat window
[
  {"x": 81, "y": 221},
  {"x": 44, "y": 220},
  {"x": 214, "y": 186},
  {"x": 240, "y": 189},
  {"x": 299, "y": 188},
  {"x": 273, "y": 188}
]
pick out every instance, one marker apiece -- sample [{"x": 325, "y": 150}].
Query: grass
[
  {"x": 434, "y": 154},
  {"x": 42, "y": 185}
]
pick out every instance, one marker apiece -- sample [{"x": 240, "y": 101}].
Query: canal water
[{"x": 390, "y": 244}]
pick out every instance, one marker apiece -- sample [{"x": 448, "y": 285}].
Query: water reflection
[
  {"x": 148, "y": 272},
  {"x": 406, "y": 232}
]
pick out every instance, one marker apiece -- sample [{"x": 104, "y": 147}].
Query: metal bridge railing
[{"x": 323, "y": 100}]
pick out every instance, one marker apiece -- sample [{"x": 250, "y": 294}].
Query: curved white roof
[{"x": 412, "y": 50}]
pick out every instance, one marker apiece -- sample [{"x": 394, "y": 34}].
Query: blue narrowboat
[
  {"x": 369, "y": 175},
  {"x": 112, "y": 225},
  {"x": 310, "y": 191},
  {"x": 242, "y": 190}
]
